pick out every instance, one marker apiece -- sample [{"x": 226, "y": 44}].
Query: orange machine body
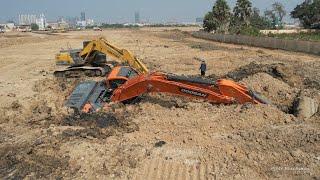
[
  {"x": 124, "y": 84},
  {"x": 225, "y": 91},
  {"x": 114, "y": 74}
]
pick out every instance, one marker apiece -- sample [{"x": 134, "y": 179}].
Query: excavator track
[{"x": 83, "y": 71}]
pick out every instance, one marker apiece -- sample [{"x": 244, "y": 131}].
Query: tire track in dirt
[{"x": 157, "y": 168}]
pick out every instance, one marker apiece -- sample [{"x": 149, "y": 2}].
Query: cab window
[{"x": 127, "y": 72}]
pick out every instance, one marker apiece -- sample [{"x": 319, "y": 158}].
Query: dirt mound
[
  {"x": 297, "y": 75},
  {"x": 280, "y": 71},
  {"x": 278, "y": 92},
  {"x": 280, "y": 83},
  {"x": 47, "y": 105},
  {"x": 254, "y": 68}
]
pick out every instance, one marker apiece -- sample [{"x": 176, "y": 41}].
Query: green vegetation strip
[{"x": 314, "y": 36}]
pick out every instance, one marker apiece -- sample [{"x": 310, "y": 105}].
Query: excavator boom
[
  {"x": 224, "y": 91},
  {"x": 123, "y": 55}
]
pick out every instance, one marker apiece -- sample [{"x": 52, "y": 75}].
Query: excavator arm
[
  {"x": 221, "y": 92},
  {"x": 123, "y": 55}
]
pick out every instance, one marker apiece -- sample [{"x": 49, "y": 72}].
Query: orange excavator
[{"x": 124, "y": 84}]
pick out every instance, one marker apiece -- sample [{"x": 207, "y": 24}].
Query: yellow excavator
[{"x": 97, "y": 58}]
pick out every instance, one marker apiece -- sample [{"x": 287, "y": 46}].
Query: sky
[{"x": 120, "y": 11}]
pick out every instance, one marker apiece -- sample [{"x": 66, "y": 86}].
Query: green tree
[
  {"x": 276, "y": 14},
  {"x": 307, "y": 12},
  {"x": 242, "y": 13},
  {"x": 219, "y": 18},
  {"x": 259, "y": 22},
  {"x": 209, "y": 22},
  {"x": 34, "y": 27},
  {"x": 279, "y": 10}
]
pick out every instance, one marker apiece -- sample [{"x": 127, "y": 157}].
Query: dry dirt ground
[{"x": 162, "y": 137}]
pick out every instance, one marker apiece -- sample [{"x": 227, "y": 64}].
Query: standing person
[{"x": 203, "y": 68}]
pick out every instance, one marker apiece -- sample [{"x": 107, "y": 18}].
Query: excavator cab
[
  {"x": 119, "y": 75},
  {"x": 90, "y": 96}
]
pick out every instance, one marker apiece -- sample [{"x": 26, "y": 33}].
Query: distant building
[
  {"x": 27, "y": 19},
  {"x": 81, "y": 23},
  {"x": 88, "y": 22},
  {"x": 53, "y": 25},
  {"x": 83, "y": 16},
  {"x": 72, "y": 21},
  {"x": 137, "y": 17},
  {"x": 63, "y": 24},
  {"x": 41, "y": 22}
]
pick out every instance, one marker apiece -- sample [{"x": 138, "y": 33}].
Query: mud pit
[{"x": 162, "y": 137}]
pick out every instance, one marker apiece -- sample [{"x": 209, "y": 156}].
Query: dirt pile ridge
[{"x": 277, "y": 91}]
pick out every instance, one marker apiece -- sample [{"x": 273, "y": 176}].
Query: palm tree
[
  {"x": 219, "y": 18},
  {"x": 242, "y": 12},
  {"x": 221, "y": 11}
]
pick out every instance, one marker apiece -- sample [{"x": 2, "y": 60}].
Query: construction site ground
[{"x": 161, "y": 137}]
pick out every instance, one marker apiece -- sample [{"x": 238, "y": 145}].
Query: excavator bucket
[{"x": 239, "y": 92}]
